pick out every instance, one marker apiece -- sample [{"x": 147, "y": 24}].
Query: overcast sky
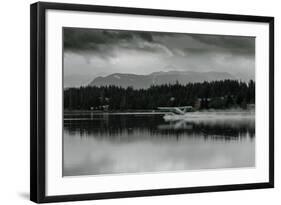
[{"x": 89, "y": 53}]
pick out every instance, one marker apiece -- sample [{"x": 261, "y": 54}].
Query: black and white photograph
[{"x": 137, "y": 102}]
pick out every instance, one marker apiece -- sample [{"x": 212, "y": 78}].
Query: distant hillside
[{"x": 145, "y": 81}]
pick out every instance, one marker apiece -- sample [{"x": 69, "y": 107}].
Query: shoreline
[{"x": 150, "y": 111}]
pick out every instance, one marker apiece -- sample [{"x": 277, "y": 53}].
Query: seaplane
[
  {"x": 177, "y": 110},
  {"x": 175, "y": 113}
]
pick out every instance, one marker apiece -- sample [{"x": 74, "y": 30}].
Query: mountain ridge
[{"x": 157, "y": 78}]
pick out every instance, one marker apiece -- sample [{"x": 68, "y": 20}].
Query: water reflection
[{"x": 124, "y": 143}]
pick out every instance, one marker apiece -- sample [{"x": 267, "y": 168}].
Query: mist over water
[{"x": 117, "y": 143}]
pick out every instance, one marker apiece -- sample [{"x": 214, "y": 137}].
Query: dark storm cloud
[
  {"x": 104, "y": 41},
  {"x": 93, "y": 39},
  {"x": 242, "y": 45}
]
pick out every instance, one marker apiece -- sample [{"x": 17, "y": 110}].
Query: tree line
[{"x": 223, "y": 94}]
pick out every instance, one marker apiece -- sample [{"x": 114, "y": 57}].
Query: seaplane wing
[{"x": 175, "y": 110}]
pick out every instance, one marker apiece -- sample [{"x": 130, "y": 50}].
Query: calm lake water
[{"x": 137, "y": 142}]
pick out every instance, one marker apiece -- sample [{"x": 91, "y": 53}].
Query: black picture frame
[{"x": 38, "y": 101}]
